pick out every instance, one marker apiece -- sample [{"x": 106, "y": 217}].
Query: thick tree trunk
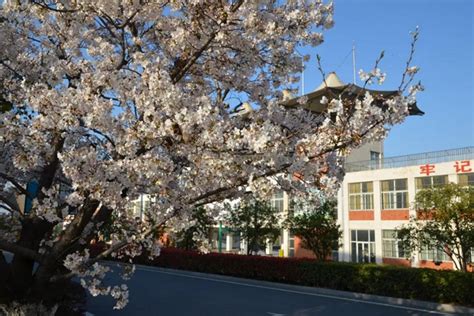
[
  {"x": 23, "y": 295},
  {"x": 20, "y": 277},
  {"x": 4, "y": 273}
]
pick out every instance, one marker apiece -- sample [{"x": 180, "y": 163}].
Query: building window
[
  {"x": 236, "y": 241},
  {"x": 391, "y": 245},
  {"x": 335, "y": 255},
  {"x": 375, "y": 159},
  {"x": 291, "y": 248},
  {"x": 433, "y": 254},
  {"x": 363, "y": 246},
  {"x": 277, "y": 244},
  {"x": 394, "y": 194},
  {"x": 430, "y": 182},
  {"x": 361, "y": 196},
  {"x": 466, "y": 179},
  {"x": 375, "y": 156},
  {"x": 277, "y": 201}
]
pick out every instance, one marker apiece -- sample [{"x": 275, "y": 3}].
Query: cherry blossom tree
[{"x": 107, "y": 100}]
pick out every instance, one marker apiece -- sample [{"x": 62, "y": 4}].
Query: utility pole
[{"x": 302, "y": 75}]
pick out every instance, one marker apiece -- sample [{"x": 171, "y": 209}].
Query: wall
[
  {"x": 379, "y": 220},
  {"x": 363, "y": 153}
]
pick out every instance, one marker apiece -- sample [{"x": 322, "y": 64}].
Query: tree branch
[
  {"x": 184, "y": 65},
  {"x": 15, "y": 183},
  {"x": 19, "y": 250},
  {"x": 10, "y": 204}
]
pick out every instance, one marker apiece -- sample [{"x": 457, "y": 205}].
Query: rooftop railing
[{"x": 465, "y": 153}]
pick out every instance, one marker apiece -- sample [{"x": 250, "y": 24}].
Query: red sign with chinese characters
[
  {"x": 463, "y": 166},
  {"x": 427, "y": 169}
]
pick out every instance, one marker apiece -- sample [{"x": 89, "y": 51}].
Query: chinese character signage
[
  {"x": 427, "y": 169},
  {"x": 463, "y": 166},
  {"x": 460, "y": 167}
]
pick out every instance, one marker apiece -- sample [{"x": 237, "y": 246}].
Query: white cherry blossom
[{"x": 110, "y": 100}]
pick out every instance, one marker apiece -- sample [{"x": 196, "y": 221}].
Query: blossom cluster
[{"x": 110, "y": 101}]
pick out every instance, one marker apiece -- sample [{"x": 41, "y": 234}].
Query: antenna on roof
[
  {"x": 353, "y": 62},
  {"x": 302, "y": 76}
]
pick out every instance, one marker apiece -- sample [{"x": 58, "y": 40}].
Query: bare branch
[
  {"x": 410, "y": 58},
  {"x": 44, "y": 5}
]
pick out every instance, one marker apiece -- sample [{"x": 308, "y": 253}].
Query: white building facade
[{"x": 377, "y": 198}]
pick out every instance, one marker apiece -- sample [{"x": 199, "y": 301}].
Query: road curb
[{"x": 443, "y": 308}]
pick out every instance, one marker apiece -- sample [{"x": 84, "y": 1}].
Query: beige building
[{"x": 377, "y": 198}]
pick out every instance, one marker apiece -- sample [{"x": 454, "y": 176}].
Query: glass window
[
  {"x": 135, "y": 207},
  {"x": 277, "y": 201},
  {"x": 430, "y": 182},
  {"x": 362, "y": 235},
  {"x": 291, "y": 248},
  {"x": 361, "y": 196},
  {"x": 367, "y": 187},
  {"x": 354, "y": 188},
  {"x": 401, "y": 184},
  {"x": 375, "y": 155},
  {"x": 146, "y": 206},
  {"x": 335, "y": 255},
  {"x": 391, "y": 245},
  {"x": 354, "y": 251},
  {"x": 236, "y": 240},
  {"x": 466, "y": 179},
  {"x": 440, "y": 181},
  {"x": 433, "y": 254},
  {"x": 277, "y": 243},
  {"x": 394, "y": 194},
  {"x": 363, "y": 246}
]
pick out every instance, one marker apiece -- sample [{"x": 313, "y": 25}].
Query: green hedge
[{"x": 412, "y": 283}]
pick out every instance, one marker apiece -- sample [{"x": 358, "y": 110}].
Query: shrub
[{"x": 411, "y": 283}]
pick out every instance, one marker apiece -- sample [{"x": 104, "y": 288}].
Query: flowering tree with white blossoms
[{"x": 105, "y": 100}]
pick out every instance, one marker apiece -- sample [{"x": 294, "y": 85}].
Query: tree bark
[
  {"x": 21, "y": 267},
  {"x": 55, "y": 257}
]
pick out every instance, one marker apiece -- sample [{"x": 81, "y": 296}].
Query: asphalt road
[{"x": 169, "y": 292}]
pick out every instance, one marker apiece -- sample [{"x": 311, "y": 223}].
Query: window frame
[
  {"x": 432, "y": 184},
  {"x": 370, "y": 242},
  {"x": 278, "y": 201},
  {"x": 438, "y": 254},
  {"x": 400, "y": 253},
  {"x": 364, "y": 199},
  {"x": 393, "y": 194},
  {"x": 467, "y": 175}
]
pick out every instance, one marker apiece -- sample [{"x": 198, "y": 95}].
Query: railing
[{"x": 465, "y": 153}]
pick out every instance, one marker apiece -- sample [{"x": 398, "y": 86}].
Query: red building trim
[
  {"x": 301, "y": 252},
  {"x": 424, "y": 215},
  {"x": 444, "y": 265},
  {"x": 395, "y": 215},
  {"x": 397, "y": 262},
  {"x": 367, "y": 215}
]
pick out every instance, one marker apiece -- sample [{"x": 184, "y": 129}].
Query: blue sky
[{"x": 444, "y": 54}]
